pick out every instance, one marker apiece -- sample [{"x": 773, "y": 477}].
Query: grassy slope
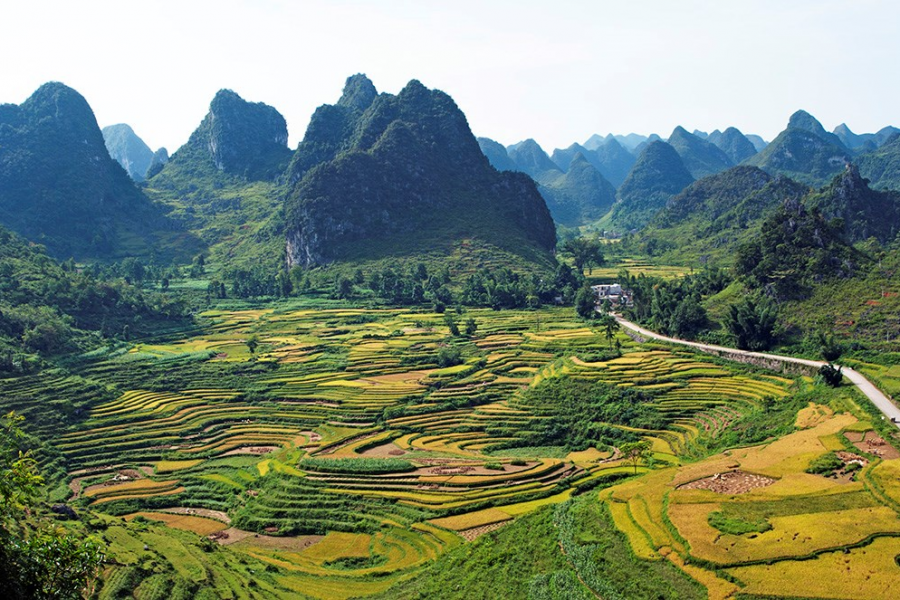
[
  {"x": 525, "y": 560},
  {"x": 242, "y": 222}
]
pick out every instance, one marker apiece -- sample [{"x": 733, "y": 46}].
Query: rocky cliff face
[
  {"x": 239, "y": 138},
  {"x": 60, "y": 187},
  {"x": 332, "y": 127},
  {"x": 405, "y": 174}
]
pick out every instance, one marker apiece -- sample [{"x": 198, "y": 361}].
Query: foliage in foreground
[{"x": 37, "y": 559}]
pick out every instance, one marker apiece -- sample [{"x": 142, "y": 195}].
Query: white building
[{"x": 612, "y": 292}]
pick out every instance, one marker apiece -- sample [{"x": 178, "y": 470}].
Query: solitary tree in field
[
  {"x": 252, "y": 344},
  {"x": 610, "y": 327},
  {"x": 451, "y": 324},
  {"x": 635, "y": 453},
  {"x": 831, "y": 349}
]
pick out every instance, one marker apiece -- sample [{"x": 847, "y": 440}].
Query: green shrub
[
  {"x": 737, "y": 526},
  {"x": 825, "y": 464}
]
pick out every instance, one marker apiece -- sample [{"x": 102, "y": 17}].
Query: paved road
[{"x": 881, "y": 402}]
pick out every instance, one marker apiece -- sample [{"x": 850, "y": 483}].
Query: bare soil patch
[
  {"x": 121, "y": 476},
  {"x": 218, "y": 515},
  {"x": 254, "y": 450},
  {"x": 873, "y": 443},
  {"x": 233, "y": 535},
  {"x": 732, "y": 482},
  {"x": 477, "y": 532},
  {"x": 855, "y": 436},
  {"x": 389, "y": 450}
]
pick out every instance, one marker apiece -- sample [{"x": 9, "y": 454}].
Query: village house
[{"x": 612, "y": 292}]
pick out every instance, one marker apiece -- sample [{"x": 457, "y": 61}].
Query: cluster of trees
[
  {"x": 251, "y": 283},
  {"x": 583, "y": 411},
  {"x": 503, "y": 288},
  {"x": 499, "y": 288},
  {"x": 753, "y": 322},
  {"x": 586, "y": 253},
  {"x": 673, "y": 306},
  {"x": 795, "y": 249},
  {"x": 417, "y": 286},
  {"x": 46, "y": 307}
]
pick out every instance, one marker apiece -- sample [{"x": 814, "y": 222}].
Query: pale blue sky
[{"x": 555, "y": 71}]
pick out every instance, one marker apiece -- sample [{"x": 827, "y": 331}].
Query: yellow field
[
  {"x": 348, "y": 381},
  {"x": 137, "y": 486},
  {"x": 167, "y": 466},
  {"x": 339, "y": 545},
  {"x": 868, "y": 572},
  {"x": 804, "y": 519},
  {"x": 813, "y": 415},
  {"x": 797, "y": 535},
  {"x": 198, "y": 525},
  {"x": 478, "y": 518}
]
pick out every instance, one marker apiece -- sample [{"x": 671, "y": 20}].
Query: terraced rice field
[
  {"x": 344, "y": 433},
  {"x": 790, "y": 517}
]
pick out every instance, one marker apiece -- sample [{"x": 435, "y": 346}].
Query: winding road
[{"x": 881, "y": 402}]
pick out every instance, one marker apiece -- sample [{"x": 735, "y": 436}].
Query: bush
[
  {"x": 448, "y": 357},
  {"x": 736, "y": 525},
  {"x": 831, "y": 375},
  {"x": 825, "y": 465}
]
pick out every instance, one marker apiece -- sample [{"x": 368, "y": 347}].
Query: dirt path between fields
[{"x": 881, "y": 402}]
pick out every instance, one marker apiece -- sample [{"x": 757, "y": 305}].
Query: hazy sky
[{"x": 555, "y": 71}]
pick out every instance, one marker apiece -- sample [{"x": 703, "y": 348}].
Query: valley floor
[{"x": 352, "y": 452}]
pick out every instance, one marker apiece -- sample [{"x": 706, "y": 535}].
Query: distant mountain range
[
  {"x": 657, "y": 176},
  {"x": 572, "y": 183},
  {"x": 881, "y": 166},
  {"x": 804, "y": 151},
  {"x": 712, "y": 217},
  {"x": 131, "y": 152},
  {"x": 374, "y": 169}
]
